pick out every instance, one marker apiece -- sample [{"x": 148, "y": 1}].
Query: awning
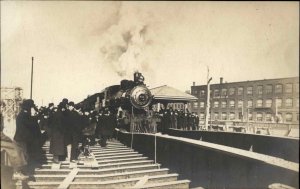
[{"x": 167, "y": 93}]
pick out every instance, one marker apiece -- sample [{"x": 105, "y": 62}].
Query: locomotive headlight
[{"x": 140, "y": 97}]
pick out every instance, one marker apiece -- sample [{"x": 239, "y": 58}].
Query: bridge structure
[{"x": 144, "y": 160}]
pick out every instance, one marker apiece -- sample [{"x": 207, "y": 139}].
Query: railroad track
[{"x": 115, "y": 166}]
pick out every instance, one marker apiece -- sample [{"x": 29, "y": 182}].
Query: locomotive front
[{"x": 135, "y": 93}]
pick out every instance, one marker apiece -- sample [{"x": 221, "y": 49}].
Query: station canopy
[{"x": 169, "y": 94}]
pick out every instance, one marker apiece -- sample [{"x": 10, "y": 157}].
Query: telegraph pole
[
  {"x": 207, "y": 99},
  {"x": 31, "y": 78}
]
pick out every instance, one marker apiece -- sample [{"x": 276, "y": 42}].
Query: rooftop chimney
[
  {"x": 194, "y": 83},
  {"x": 221, "y": 80}
]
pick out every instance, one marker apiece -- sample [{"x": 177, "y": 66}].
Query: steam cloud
[{"x": 124, "y": 44}]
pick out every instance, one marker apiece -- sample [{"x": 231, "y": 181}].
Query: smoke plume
[{"x": 124, "y": 44}]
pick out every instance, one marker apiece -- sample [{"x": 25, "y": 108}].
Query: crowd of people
[
  {"x": 65, "y": 126},
  {"x": 178, "y": 119}
]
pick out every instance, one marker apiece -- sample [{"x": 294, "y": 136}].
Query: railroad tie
[
  {"x": 141, "y": 182},
  {"x": 70, "y": 177}
]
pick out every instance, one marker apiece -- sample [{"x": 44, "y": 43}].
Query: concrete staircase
[{"x": 117, "y": 166}]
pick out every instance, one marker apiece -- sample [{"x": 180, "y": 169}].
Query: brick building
[{"x": 267, "y": 100}]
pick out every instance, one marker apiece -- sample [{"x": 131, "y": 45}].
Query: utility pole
[
  {"x": 31, "y": 79},
  {"x": 207, "y": 99}
]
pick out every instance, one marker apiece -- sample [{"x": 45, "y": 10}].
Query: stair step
[
  {"x": 111, "y": 151},
  {"x": 107, "y": 160},
  {"x": 99, "y": 171},
  {"x": 180, "y": 184},
  {"x": 114, "y": 154},
  {"x": 120, "y": 160},
  {"x": 115, "y": 176},
  {"x": 65, "y": 165},
  {"x": 118, "y": 157},
  {"x": 130, "y": 182}
]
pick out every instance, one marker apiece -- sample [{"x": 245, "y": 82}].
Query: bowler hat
[
  {"x": 27, "y": 104},
  {"x": 71, "y": 103}
]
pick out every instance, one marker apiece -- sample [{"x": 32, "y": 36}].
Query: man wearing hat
[
  {"x": 74, "y": 125},
  {"x": 57, "y": 139},
  {"x": 28, "y": 133}
]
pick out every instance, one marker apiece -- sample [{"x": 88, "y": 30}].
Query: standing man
[
  {"x": 57, "y": 140},
  {"x": 74, "y": 128}
]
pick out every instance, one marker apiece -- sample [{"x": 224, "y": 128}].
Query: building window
[
  {"x": 240, "y": 91},
  {"x": 231, "y": 116},
  {"x": 249, "y": 90},
  {"x": 289, "y": 88},
  {"x": 201, "y": 116},
  {"x": 217, "y": 93},
  {"x": 240, "y": 104},
  {"x": 224, "y": 104},
  {"x": 259, "y": 103},
  {"x": 201, "y": 104},
  {"x": 216, "y": 104},
  {"x": 268, "y": 117},
  {"x": 289, "y": 102},
  {"x": 202, "y": 93},
  {"x": 224, "y": 116},
  {"x": 231, "y": 103},
  {"x": 288, "y": 117},
  {"x": 195, "y": 92},
  {"x": 250, "y": 103},
  {"x": 216, "y": 115},
  {"x": 297, "y": 88},
  {"x": 231, "y": 91},
  {"x": 269, "y": 89},
  {"x": 259, "y": 90},
  {"x": 278, "y": 89},
  {"x": 250, "y": 117},
  {"x": 278, "y": 102},
  {"x": 195, "y": 104},
  {"x": 259, "y": 117},
  {"x": 269, "y": 103},
  {"x": 224, "y": 92},
  {"x": 297, "y": 102}
]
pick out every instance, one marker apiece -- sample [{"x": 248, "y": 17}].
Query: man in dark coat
[
  {"x": 99, "y": 124},
  {"x": 28, "y": 133},
  {"x": 185, "y": 121},
  {"x": 74, "y": 128},
  {"x": 180, "y": 119},
  {"x": 107, "y": 127},
  {"x": 57, "y": 140},
  {"x": 197, "y": 121}
]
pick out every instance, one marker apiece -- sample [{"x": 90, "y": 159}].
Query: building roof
[
  {"x": 250, "y": 81},
  {"x": 171, "y": 94}
]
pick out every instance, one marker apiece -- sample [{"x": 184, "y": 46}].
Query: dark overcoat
[
  {"x": 57, "y": 140},
  {"x": 23, "y": 126},
  {"x": 109, "y": 124}
]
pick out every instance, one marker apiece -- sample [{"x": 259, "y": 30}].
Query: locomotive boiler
[{"x": 131, "y": 96}]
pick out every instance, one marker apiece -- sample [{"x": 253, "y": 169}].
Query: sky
[{"x": 81, "y": 47}]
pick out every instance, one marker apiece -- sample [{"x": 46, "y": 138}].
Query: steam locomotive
[{"x": 130, "y": 96}]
